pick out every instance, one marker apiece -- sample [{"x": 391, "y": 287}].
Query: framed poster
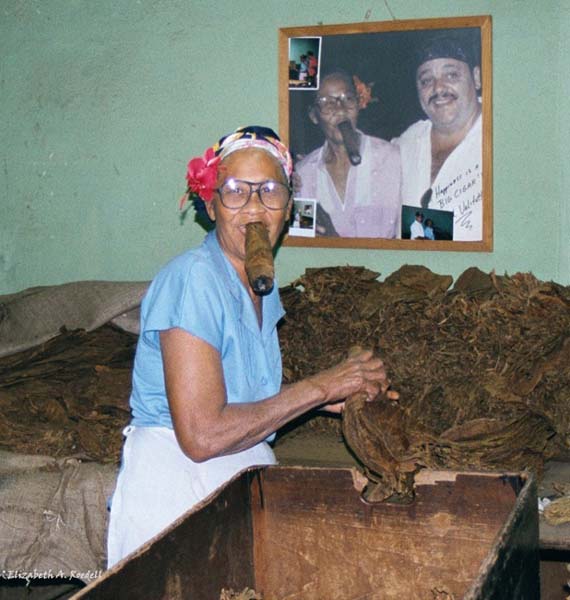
[{"x": 390, "y": 127}]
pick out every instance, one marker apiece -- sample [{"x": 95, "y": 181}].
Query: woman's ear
[
  {"x": 313, "y": 115},
  {"x": 288, "y": 210},
  {"x": 210, "y": 209}
]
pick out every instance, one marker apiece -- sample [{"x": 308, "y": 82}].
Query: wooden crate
[{"x": 305, "y": 533}]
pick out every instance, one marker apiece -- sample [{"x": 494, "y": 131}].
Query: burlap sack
[
  {"x": 36, "y": 315},
  {"x": 53, "y": 516}
]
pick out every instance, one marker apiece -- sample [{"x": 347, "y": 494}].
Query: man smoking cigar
[{"x": 354, "y": 177}]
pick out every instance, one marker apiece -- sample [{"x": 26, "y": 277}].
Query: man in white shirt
[
  {"x": 442, "y": 156},
  {"x": 417, "y": 228}
]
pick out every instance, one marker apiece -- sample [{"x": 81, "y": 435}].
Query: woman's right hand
[{"x": 362, "y": 371}]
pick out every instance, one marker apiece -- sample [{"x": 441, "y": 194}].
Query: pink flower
[
  {"x": 364, "y": 92},
  {"x": 202, "y": 175}
]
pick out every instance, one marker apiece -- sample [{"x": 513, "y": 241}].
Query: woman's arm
[{"x": 207, "y": 426}]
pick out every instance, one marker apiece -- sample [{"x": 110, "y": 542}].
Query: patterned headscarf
[{"x": 255, "y": 136}]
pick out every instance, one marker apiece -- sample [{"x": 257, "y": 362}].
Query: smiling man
[{"x": 442, "y": 155}]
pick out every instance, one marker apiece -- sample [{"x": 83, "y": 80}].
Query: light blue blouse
[{"x": 200, "y": 292}]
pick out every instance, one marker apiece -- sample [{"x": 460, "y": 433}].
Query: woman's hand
[{"x": 362, "y": 372}]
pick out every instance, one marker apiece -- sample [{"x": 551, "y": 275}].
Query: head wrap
[
  {"x": 448, "y": 45},
  {"x": 255, "y": 136},
  {"x": 202, "y": 171}
]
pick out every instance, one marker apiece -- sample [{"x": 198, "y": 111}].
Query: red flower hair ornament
[{"x": 201, "y": 175}]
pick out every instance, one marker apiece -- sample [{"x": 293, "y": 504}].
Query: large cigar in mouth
[
  {"x": 351, "y": 142},
  {"x": 259, "y": 259}
]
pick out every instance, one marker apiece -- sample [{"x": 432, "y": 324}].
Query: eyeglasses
[
  {"x": 236, "y": 193},
  {"x": 328, "y": 104}
]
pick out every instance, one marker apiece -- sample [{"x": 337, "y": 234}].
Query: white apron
[{"x": 157, "y": 483}]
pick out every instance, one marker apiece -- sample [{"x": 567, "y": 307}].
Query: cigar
[
  {"x": 258, "y": 259},
  {"x": 351, "y": 142}
]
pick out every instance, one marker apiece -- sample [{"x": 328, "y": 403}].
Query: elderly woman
[
  {"x": 207, "y": 394},
  {"x": 358, "y": 196}
]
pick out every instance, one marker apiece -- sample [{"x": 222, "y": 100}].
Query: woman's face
[
  {"x": 254, "y": 165},
  {"x": 328, "y": 120}
]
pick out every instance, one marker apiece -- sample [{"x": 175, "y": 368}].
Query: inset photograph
[
  {"x": 303, "y": 221},
  {"x": 426, "y": 223},
  {"x": 304, "y": 59}
]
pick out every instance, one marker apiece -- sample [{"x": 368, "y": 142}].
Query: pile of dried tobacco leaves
[
  {"x": 68, "y": 396},
  {"x": 483, "y": 369}
]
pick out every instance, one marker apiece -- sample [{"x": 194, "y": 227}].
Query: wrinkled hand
[{"x": 362, "y": 371}]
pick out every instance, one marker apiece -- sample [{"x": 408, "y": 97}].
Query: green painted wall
[{"x": 102, "y": 103}]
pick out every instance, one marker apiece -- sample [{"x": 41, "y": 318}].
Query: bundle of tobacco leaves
[
  {"x": 68, "y": 396},
  {"x": 483, "y": 368}
]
